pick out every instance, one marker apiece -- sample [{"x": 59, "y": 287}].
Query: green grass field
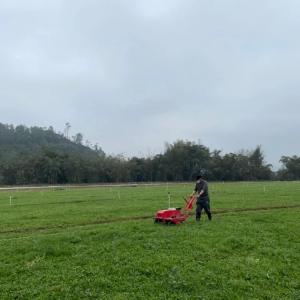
[{"x": 89, "y": 244}]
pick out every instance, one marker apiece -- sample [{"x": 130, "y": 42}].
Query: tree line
[{"x": 38, "y": 155}]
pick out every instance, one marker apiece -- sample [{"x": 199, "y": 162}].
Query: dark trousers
[{"x": 203, "y": 203}]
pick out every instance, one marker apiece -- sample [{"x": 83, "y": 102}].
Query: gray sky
[{"x": 133, "y": 74}]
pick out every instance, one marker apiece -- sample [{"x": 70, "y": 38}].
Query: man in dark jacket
[{"x": 203, "y": 201}]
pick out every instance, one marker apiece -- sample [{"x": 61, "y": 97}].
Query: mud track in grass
[{"x": 214, "y": 212}]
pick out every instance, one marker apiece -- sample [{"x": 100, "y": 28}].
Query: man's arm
[
  {"x": 194, "y": 192},
  {"x": 203, "y": 190}
]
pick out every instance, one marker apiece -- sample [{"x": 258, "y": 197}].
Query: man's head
[{"x": 199, "y": 177}]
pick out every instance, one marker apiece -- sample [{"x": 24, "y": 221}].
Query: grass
[{"x": 52, "y": 247}]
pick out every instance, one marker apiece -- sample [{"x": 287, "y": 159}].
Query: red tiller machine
[{"x": 175, "y": 216}]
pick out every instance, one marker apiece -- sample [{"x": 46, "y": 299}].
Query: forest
[{"x": 36, "y": 155}]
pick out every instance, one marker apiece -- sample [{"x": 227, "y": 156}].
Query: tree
[
  {"x": 185, "y": 159},
  {"x": 290, "y": 169},
  {"x": 216, "y": 159},
  {"x": 258, "y": 169},
  {"x": 78, "y": 138}
]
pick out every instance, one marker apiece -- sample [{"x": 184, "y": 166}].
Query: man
[{"x": 203, "y": 200}]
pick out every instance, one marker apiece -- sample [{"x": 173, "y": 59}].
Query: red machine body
[{"x": 175, "y": 216}]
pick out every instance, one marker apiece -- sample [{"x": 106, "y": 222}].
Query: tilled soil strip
[{"x": 222, "y": 211}]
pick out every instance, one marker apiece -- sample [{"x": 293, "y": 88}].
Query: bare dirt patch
[{"x": 224, "y": 211}]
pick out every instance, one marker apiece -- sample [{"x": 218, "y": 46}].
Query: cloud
[{"x": 132, "y": 75}]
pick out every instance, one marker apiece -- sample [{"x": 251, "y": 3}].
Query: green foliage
[
  {"x": 186, "y": 159},
  {"x": 41, "y": 156},
  {"x": 21, "y": 141},
  {"x": 290, "y": 168}
]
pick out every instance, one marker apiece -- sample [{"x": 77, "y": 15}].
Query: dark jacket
[{"x": 202, "y": 185}]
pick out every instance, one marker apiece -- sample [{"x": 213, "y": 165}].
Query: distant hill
[
  {"x": 38, "y": 155},
  {"x": 23, "y": 141}
]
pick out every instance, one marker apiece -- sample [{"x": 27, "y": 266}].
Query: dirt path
[{"x": 223, "y": 211}]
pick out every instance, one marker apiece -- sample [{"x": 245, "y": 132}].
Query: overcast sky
[{"x": 133, "y": 74}]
